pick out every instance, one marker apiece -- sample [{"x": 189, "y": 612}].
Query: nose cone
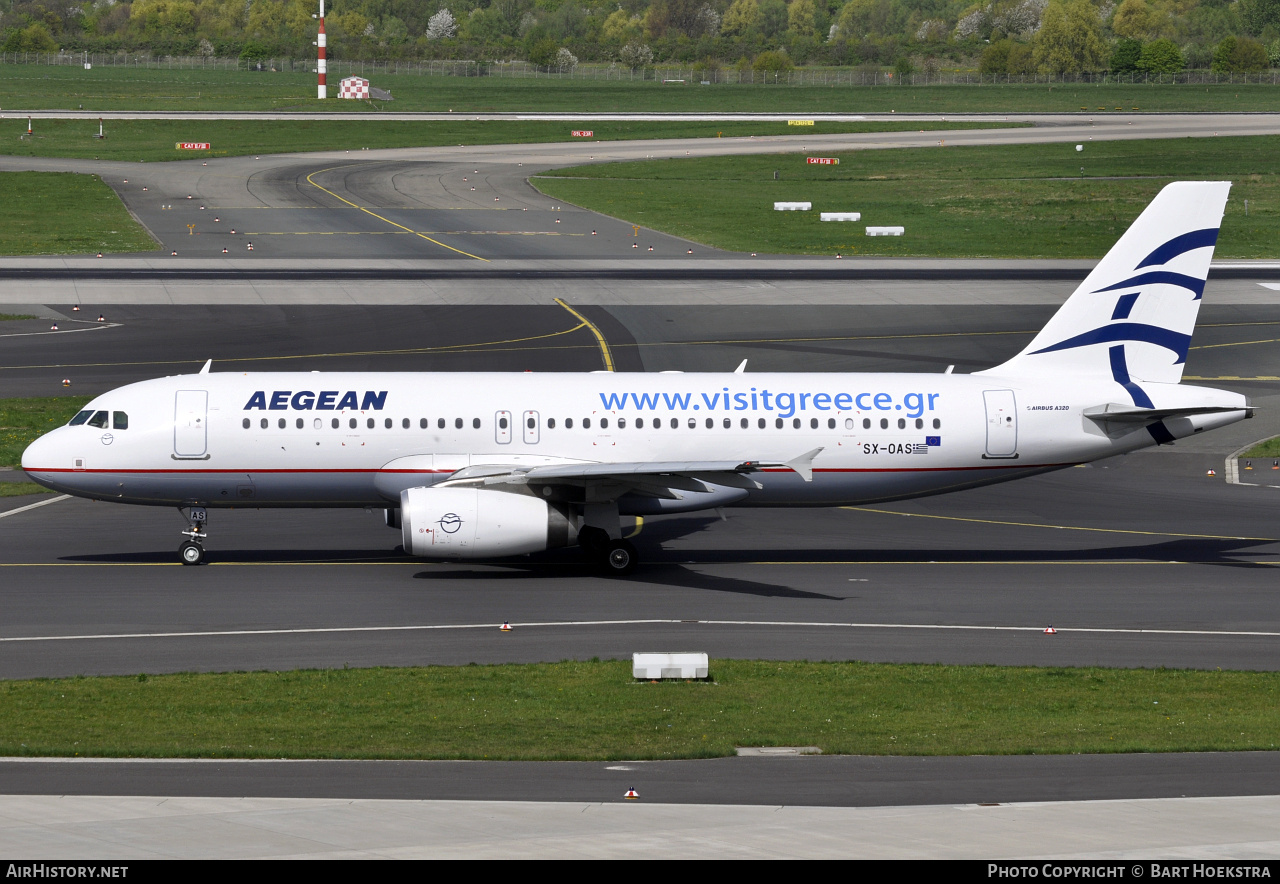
[{"x": 41, "y": 456}]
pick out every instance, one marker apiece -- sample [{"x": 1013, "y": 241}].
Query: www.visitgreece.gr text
[{"x": 783, "y": 404}]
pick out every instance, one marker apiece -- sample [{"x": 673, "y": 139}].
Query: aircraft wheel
[
  {"x": 191, "y": 552},
  {"x": 621, "y": 558}
]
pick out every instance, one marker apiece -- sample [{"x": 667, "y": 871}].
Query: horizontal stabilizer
[{"x": 1127, "y": 413}]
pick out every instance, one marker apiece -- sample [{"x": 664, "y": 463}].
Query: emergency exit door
[
  {"x": 1002, "y": 423},
  {"x": 190, "y": 423}
]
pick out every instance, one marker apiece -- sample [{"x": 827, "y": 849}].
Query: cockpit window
[
  {"x": 80, "y": 418},
  {"x": 98, "y": 420},
  {"x": 119, "y": 420}
]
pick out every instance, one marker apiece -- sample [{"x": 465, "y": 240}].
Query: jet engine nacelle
[{"x": 468, "y": 523}]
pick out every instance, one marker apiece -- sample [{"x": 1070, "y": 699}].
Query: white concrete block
[
  {"x": 792, "y": 207},
  {"x": 648, "y": 666},
  {"x": 840, "y": 216},
  {"x": 886, "y": 231}
]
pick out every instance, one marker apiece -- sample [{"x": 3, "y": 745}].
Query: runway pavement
[{"x": 1138, "y": 561}]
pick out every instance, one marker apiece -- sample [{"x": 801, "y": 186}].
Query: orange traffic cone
[
  {"x": 53, "y": 327},
  {"x": 1049, "y": 630},
  {"x": 1211, "y": 473},
  {"x": 66, "y": 382},
  {"x": 251, "y": 247},
  {"x": 102, "y": 318},
  {"x": 505, "y": 627},
  {"x": 75, "y": 309},
  {"x": 631, "y": 794}
]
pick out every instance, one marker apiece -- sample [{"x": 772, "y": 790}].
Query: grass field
[
  {"x": 22, "y": 420},
  {"x": 153, "y": 140},
  {"x": 29, "y": 87},
  {"x": 21, "y": 489},
  {"x": 59, "y": 213},
  {"x": 1007, "y": 201},
  {"x": 1266, "y": 448},
  {"x": 595, "y": 711}
]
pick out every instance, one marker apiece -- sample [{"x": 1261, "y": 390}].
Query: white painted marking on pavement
[
  {"x": 665, "y": 622},
  {"x": 31, "y": 506}
]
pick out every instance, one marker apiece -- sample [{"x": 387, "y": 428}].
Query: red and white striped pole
[{"x": 322, "y": 89}]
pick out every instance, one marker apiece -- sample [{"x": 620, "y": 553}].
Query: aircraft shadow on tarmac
[{"x": 665, "y": 565}]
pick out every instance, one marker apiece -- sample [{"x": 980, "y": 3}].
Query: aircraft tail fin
[{"x": 1132, "y": 317}]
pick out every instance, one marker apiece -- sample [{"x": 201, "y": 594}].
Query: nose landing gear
[{"x": 192, "y": 551}]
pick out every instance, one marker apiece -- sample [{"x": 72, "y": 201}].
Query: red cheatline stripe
[{"x": 246, "y": 470}]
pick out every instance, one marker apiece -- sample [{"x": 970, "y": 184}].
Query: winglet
[
  {"x": 742, "y": 366},
  {"x": 207, "y": 366},
  {"x": 804, "y": 464}
]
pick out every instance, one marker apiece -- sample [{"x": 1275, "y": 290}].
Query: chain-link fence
[{"x": 859, "y": 76}]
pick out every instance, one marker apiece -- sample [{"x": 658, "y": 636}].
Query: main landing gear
[
  {"x": 191, "y": 551},
  {"x": 616, "y": 555}
]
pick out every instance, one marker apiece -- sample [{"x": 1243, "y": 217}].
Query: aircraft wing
[{"x": 656, "y": 478}]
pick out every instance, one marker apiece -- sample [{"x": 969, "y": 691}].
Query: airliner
[{"x": 485, "y": 465}]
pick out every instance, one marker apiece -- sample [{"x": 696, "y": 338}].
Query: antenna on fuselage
[{"x": 207, "y": 364}]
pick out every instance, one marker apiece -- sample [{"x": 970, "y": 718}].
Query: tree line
[{"x": 999, "y": 36}]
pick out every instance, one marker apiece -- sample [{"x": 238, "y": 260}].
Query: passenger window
[
  {"x": 884, "y": 423},
  {"x": 352, "y": 423},
  {"x": 693, "y": 423},
  {"x": 404, "y": 424},
  {"x": 778, "y": 423},
  {"x": 245, "y": 423},
  {"x": 335, "y": 423},
  {"x": 831, "y": 423},
  {"x": 422, "y": 423},
  {"x": 639, "y": 423},
  {"x": 369, "y": 423},
  {"x": 84, "y": 416},
  {"x": 551, "y": 423},
  {"x": 119, "y": 420},
  {"x": 813, "y": 423},
  {"x": 604, "y": 423},
  {"x": 902, "y": 423},
  {"x": 568, "y": 423},
  {"x": 440, "y": 423},
  {"x": 299, "y": 423},
  {"x": 386, "y": 423},
  {"x": 99, "y": 420},
  {"x": 675, "y": 423},
  {"x": 586, "y": 423},
  {"x": 728, "y": 423},
  {"x": 937, "y": 424},
  {"x": 866, "y": 423},
  {"x": 848, "y": 423},
  {"x": 263, "y": 423},
  {"x": 745, "y": 423},
  {"x": 622, "y": 423},
  {"x": 919, "y": 424},
  {"x": 710, "y": 423},
  {"x": 475, "y": 423},
  {"x": 280, "y": 423},
  {"x": 317, "y": 424},
  {"x": 502, "y": 423},
  {"x": 457, "y": 423},
  {"x": 795, "y": 423},
  {"x": 761, "y": 423}
]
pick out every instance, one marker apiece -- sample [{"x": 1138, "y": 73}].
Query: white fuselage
[{"x": 358, "y": 439}]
